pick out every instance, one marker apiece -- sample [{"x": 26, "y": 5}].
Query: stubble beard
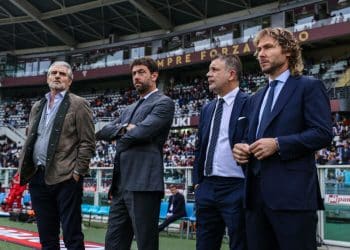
[
  {"x": 142, "y": 89},
  {"x": 274, "y": 67},
  {"x": 56, "y": 86}
]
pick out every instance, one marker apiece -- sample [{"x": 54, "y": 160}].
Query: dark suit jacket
[
  {"x": 345, "y": 155},
  {"x": 237, "y": 127},
  {"x": 139, "y": 158},
  {"x": 301, "y": 120},
  {"x": 179, "y": 206},
  {"x": 71, "y": 143}
]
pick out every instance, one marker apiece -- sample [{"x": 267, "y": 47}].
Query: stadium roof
[{"x": 28, "y": 24}]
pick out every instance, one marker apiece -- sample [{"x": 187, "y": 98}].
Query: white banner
[{"x": 336, "y": 199}]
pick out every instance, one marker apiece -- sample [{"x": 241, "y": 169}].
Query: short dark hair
[
  {"x": 172, "y": 186},
  {"x": 146, "y": 61},
  {"x": 231, "y": 62}
]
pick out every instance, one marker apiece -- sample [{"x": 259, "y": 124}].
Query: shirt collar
[
  {"x": 282, "y": 77},
  {"x": 230, "y": 96},
  {"x": 146, "y": 96},
  {"x": 60, "y": 95}
]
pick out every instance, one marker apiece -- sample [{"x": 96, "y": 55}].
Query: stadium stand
[{"x": 193, "y": 34}]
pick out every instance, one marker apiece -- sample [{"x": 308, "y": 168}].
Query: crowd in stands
[
  {"x": 104, "y": 154},
  {"x": 338, "y": 152},
  {"x": 109, "y": 103},
  {"x": 9, "y": 153},
  {"x": 189, "y": 97},
  {"x": 15, "y": 112},
  {"x": 179, "y": 148}
]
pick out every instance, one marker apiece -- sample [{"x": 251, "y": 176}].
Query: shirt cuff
[
  {"x": 277, "y": 145},
  {"x": 76, "y": 172}
]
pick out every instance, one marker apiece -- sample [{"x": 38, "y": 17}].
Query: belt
[{"x": 222, "y": 178}]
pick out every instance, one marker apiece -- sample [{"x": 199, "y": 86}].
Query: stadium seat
[
  {"x": 103, "y": 211},
  {"x": 85, "y": 208},
  {"x": 163, "y": 210},
  {"x": 2, "y": 197},
  {"x": 347, "y": 177},
  {"x": 189, "y": 220},
  {"x": 26, "y": 200}
]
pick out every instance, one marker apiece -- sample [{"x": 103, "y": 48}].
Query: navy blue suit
[
  {"x": 282, "y": 201},
  {"x": 177, "y": 201},
  {"x": 219, "y": 200}
]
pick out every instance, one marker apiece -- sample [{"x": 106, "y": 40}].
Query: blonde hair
[{"x": 288, "y": 43}]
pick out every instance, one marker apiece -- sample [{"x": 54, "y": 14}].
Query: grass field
[
  {"x": 96, "y": 233},
  {"x": 171, "y": 241},
  {"x": 337, "y": 231}
]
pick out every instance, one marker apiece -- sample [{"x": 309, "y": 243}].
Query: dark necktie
[
  {"x": 263, "y": 123},
  {"x": 267, "y": 110},
  {"x": 136, "y": 107},
  {"x": 214, "y": 137}
]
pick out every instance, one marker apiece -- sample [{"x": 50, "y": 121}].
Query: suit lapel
[
  {"x": 27, "y": 170},
  {"x": 284, "y": 96},
  {"x": 236, "y": 111},
  {"x": 132, "y": 111},
  {"x": 255, "y": 113},
  {"x": 57, "y": 128},
  {"x": 38, "y": 114},
  {"x": 209, "y": 112},
  {"x": 138, "y": 108}
]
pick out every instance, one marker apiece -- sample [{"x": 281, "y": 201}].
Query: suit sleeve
[
  {"x": 195, "y": 175},
  {"x": 110, "y": 131},
  {"x": 242, "y": 124},
  {"x": 86, "y": 135},
  {"x": 180, "y": 205},
  {"x": 318, "y": 124},
  {"x": 160, "y": 117}
]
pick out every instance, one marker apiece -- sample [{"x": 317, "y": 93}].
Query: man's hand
[
  {"x": 130, "y": 126},
  {"x": 76, "y": 177},
  {"x": 241, "y": 152},
  {"x": 263, "y": 148}
]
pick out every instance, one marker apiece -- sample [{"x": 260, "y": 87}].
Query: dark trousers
[
  {"x": 132, "y": 213},
  {"x": 269, "y": 229},
  {"x": 219, "y": 204},
  {"x": 54, "y": 205},
  {"x": 168, "y": 221}
]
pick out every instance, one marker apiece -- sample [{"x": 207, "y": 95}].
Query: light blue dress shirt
[
  {"x": 282, "y": 78},
  {"x": 223, "y": 164}
]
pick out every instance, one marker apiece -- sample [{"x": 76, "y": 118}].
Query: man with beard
[
  {"x": 138, "y": 186},
  {"x": 55, "y": 157},
  {"x": 289, "y": 120}
]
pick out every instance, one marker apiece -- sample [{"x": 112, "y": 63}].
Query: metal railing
[{"x": 334, "y": 221}]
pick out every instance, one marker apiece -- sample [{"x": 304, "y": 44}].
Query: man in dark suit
[
  {"x": 138, "y": 185},
  {"x": 345, "y": 153},
  {"x": 218, "y": 180},
  {"x": 176, "y": 208},
  {"x": 55, "y": 157},
  {"x": 289, "y": 120}
]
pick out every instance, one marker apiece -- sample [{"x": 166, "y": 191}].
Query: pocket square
[{"x": 241, "y": 118}]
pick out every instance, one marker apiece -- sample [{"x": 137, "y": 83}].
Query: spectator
[{"x": 176, "y": 208}]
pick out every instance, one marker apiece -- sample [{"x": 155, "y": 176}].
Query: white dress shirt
[{"x": 223, "y": 164}]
